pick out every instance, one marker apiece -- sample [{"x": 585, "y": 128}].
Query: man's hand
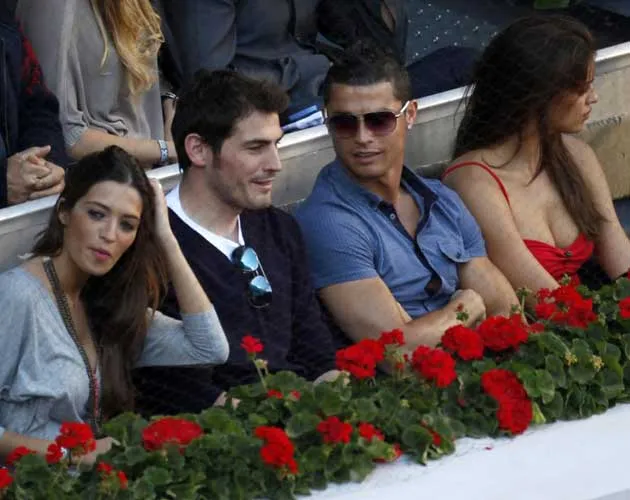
[
  {"x": 472, "y": 304},
  {"x": 30, "y": 176}
]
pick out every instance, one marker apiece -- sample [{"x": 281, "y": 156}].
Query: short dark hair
[
  {"x": 215, "y": 101},
  {"x": 364, "y": 63}
]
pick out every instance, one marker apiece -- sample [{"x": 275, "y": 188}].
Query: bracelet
[
  {"x": 163, "y": 152},
  {"x": 168, "y": 95}
]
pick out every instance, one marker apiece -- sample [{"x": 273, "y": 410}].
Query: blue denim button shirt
[{"x": 353, "y": 234}]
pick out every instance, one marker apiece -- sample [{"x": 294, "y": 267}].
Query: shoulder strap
[{"x": 485, "y": 167}]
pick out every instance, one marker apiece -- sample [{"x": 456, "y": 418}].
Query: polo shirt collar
[{"x": 410, "y": 180}]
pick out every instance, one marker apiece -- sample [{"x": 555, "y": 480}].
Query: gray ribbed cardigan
[{"x": 43, "y": 381}]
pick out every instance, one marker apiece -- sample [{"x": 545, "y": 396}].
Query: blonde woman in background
[{"x": 100, "y": 58}]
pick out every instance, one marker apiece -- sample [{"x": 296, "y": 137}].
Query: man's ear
[
  {"x": 410, "y": 113},
  {"x": 197, "y": 150}
]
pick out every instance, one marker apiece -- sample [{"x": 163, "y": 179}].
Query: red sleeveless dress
[{"x": 557, "y": 261}]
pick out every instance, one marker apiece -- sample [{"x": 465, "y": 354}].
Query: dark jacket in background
[
  {"x": 343, "y": 22},
  {"x": 29, "y": 112},
  {"x": 265, "y": 39}
]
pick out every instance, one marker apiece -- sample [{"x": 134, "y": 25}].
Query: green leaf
[
  {"x": 610, "y": 382},
  {"x": 158, "y": 476},
  {"x": 582, "y": 373},
  {"x": 364, "y": 409},
  {"x": 301, "y": 423},
  {"x": 135, "y": 455},
  {"x": 552, "y": 343},
  {"x": 545, "y": 385},
  {"x": 625, "y": 343},
  {"x": 554, "y": 409},
  {"x": 555, "y": 367},
  {"x": 329, "y": 400},
  {"x": 582, "y": 350},
  {"x": 417, "y": 439}
]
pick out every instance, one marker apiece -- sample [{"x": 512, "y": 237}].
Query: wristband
[{"x": 163, "y": 152}]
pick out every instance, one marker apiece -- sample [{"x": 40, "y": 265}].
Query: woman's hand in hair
[{"x": 162, "y": 224}]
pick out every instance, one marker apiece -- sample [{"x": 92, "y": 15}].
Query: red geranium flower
[
  {"x": 624, "y": 308},
  {"x": 369, "y": 432},
  {"x": 76, "y": 437},
  {"x": 122, "y": 479},
  {"x": 464, "y": 342},
  {"x": 502, "y": 384},
  {"x": 104, "y": 468},
  {"x": 545, "y": 310},
  {"x": 54, "y": 454},
  {"x": 296, "y": 395},
  {"x": 360, "y": 359},
  {"x": 515, "y": 415},
  {"x": 252, "y": 345},
  {"x": 5, "y": 478},
  {"x": 395, "y": 337},
  {"x": 536, "y": 328},
  {"x": 565, "y": 305},
  {"x": 437, "y": 439},
  {"x": 334, "y": 430},
  {"x": 19, "y": 452},
  {"x": 278, "y": 449},
  {"x": 170, "y": 430},
  {"x": 500, "y": 333},
  {"x": 434, "y": 365},
  {"x": 272, "y": 393}
]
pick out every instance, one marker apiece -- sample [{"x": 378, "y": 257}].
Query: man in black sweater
[{"x": 248, "y": 255}]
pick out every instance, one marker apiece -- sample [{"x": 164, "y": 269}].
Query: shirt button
[
  {"x": 392, "y": 216},
  {"x": 568, "y": 253}
]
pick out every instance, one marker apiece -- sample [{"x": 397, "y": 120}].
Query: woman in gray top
[
  {"x": 80, "y": 313},
  {"x": 99, "y": 57}
]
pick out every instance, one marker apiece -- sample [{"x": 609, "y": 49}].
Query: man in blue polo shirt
[{"x": 388, "y": 249}]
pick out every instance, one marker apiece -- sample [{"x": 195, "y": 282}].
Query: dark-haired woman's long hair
[
  {"x": 522, "y": 70},
  {"x": 116, "y": 303}
]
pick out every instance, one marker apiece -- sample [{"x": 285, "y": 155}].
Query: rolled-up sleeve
[{"x": 195, "y": 340}]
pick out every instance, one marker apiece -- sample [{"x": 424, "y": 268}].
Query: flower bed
[{"x": 288, "y": 437}]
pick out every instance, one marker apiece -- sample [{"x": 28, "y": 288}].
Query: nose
[
  {"x": 593, "y": 97},
  {"x": 108, "y": 230},
  {"x": 363, "y": 134},
  {"x": 274, "y": 164}
]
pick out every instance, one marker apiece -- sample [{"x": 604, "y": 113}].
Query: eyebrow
[
  {"x": 109, "y": 210},
  {"x": 261, "y": 141}
]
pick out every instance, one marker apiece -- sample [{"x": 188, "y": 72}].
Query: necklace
[{"x": 94, "y": 410}]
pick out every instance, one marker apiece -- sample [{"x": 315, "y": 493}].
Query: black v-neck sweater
[{"x": 294, "y": 335}]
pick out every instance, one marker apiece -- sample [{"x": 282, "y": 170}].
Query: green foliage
[{"x": 567, "y": 372}]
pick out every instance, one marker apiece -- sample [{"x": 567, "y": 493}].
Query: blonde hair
[{"x": 134, "y": 28}]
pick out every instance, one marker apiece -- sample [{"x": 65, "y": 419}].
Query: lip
[
  {"x": 365, "y": 156},
  {"x": 264, "y": 184},
  {"x": 101, "y": 254}
]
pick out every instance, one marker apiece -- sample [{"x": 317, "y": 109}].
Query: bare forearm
[
  {"x": 191, "y": 297},
  {"x": 146, "y": 151},
  {"x": 10, "y": 440},
  {"x": 428, "y": 329}
]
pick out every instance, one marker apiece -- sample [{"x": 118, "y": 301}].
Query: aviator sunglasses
[
  {"x": 377, "y": 122},
  {"x": 258, "y": 288}
]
